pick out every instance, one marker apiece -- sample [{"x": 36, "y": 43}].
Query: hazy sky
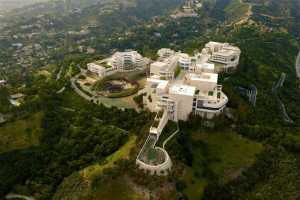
[{"x": 6, "y": 5}]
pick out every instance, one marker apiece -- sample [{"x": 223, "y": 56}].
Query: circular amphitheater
[{"x": 117, "y": 87}]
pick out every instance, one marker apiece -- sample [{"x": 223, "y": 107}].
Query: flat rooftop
[
  {"x": 213, "y": 43},
  {"x": 158, "y": 64},
  {"x": 182, "y": 90},
  {"x": 225, "y": 52},
  {"x": 210, "y": 66},
  {"x": 96, "y": 65},
  {"x": 204, "y": 77},
  {"x": 161, "y": 84},
  {"x": 155, "y": 80}
]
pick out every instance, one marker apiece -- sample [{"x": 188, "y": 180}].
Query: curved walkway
[
  {"x": 78, "y": 90},
  {"x": 170, "y": 137},
  {"x": 161, "y": 169},
  {"x": 17, "y": 196}
]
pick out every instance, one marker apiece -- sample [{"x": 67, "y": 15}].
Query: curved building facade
[{"x": 128, "y": 61}]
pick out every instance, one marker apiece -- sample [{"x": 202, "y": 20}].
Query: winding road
[
  {"x": 298, "y": 66},
  {"x": 282, "y": 107},
  {"x": 252, "y": 95}
]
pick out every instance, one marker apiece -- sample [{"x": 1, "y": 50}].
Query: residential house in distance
[
  {"x": 189, "y": 9},
  {"x": 119, "y": 62}
]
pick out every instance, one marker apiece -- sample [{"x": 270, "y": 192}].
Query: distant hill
[{"x": 8, "y": 5}]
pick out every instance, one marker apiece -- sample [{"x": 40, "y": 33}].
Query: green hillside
[
  {"x": 69, "y": 148},
  {"x": 20, "y": 134}
]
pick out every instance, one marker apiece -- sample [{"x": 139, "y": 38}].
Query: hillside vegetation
[
  {"x": 21, "y": 134},
  {"x": 88, "y": 151}
]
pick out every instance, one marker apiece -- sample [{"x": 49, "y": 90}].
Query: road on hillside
[
  {"x": 253, "y": 95},
  {"x": 298, "y": 65},
  {"x": 282, "y": 107}
]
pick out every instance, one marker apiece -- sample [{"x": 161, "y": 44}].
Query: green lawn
[
  {"x": 224, "y": 154},
  {"x": 21, "y": 133}
]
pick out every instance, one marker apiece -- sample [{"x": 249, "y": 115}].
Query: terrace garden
[
  {"x": 120, "y": 84},
  {"x": 116, "y": 87},
  {"x": 104, "y": 64},
  {"x": 150, "y": 155}
]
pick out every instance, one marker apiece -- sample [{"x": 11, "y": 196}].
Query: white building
[
  {"x": 120, "y": 61},
  {"x": 203, "y": 67},
  {"x": 128, "y": 61},
  {"x": 97, "y": 69},
  {"x": 165, "y": 53},
  {"x": 165, "y": 68},
  {"x": 225, "y": 55},
  {"x": 197, "y": 92},
  {"x": 185, "y": 61},
  {"x": 158, "y": 69},
  {"x": 215, "y": 57}
]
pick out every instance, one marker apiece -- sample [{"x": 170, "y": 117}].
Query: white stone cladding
[
  {"x": 223, "y": 53},
  {"x": 197, "y": 91},
  {"x": 119, "y": 62},
  {"x": 127, "y": 61},
  {"x": 97, "y": 69}
]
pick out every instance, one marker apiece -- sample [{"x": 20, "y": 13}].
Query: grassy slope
[
  {"x": 77, "y": 186},
  {"x": 122, "y": 153},
  {"x": 227, "y": 155},
  {"x": 21, "y": 133}
]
